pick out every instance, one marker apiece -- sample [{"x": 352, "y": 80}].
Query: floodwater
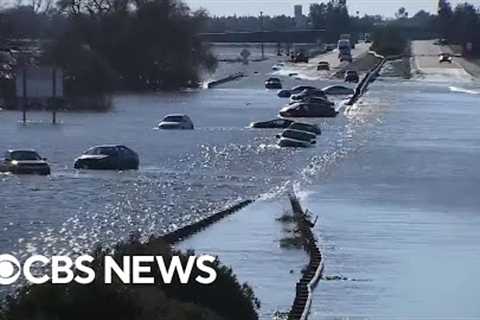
[
  {"x": 397, "y": 205},
  {"x": 400, "y": 218},
  {"x": 393, "y": 179}
]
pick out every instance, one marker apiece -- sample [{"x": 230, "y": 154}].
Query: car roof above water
[
  {"x": 21, "y": 150},
  {"x": 177, "y": 115}
]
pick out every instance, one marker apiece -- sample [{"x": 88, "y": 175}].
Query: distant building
[
  {"x": 298, "y": 10},
  {"x": 300, "y": 18}
]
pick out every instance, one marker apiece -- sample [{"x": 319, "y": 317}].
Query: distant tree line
[
  {"x": 333, "y": 17},
  {"x": 218, "y": 24},
  {"x": 459, "y": 25},
  {"x": 106, "y": 45}
]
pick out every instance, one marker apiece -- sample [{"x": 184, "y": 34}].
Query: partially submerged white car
[{"x": 176, "y": 121}]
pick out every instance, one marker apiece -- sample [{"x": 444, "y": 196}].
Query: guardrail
[
  {"x": 229, "y": 78},
  {"x": 367, "y": 79},
  {"x": 189, "y": 230},
  {"x": 312, "y": 274}
]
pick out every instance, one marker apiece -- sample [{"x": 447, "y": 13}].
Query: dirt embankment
[
  {"x": 470, "y": 64},
  {"x": 399, "y": 66}
]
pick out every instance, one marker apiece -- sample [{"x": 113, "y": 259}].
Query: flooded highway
[{"x": 393, "y": 180}]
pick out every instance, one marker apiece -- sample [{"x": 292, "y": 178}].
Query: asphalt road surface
[
  {"x": 308, "y": 71},
  {"x": 426, "y": 61}
]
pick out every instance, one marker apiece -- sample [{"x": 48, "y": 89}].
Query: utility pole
[
  {"x": 261, "y": 34},
  {"x": 25, "y": 94},
  {"x": 54, "y": 96}
]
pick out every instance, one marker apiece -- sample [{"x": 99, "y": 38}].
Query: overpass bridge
[{"x": 290, "y": 36}]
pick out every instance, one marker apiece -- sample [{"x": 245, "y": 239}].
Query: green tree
[
  {"x": 444, "y": 18},
  {"x": 333, "y": 17},
  {"x": 401, "y": 13}
]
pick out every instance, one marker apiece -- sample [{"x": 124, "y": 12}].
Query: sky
[{"x": 277, "y": 7}]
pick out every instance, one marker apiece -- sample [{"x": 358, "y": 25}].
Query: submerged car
[
  {"x": 176, "y": 121},
  {"x": 308, "y": 110},
  {"x": 445, "y": 57},
  {"x": 300, "y": 126},
  {"x": 312, "y": 99},
  {"x": 323, "y": 65},
  {"x": 352, "y": 76},
  {"x": 24, "y": 162},
  {"x": 298, "y": 89},
  {"x": 108, "y": 157},
  {"x": 295, "y": 90},
  {"x": 296, "y": 139},
  {"x": 309, "y": 93},
  {"x": 345, "y": 57},
  {"x": 441, "y": 42},
  {"x": 273, "y": 83},
  {"x": 272, "y": 124},
  {"x": 299, "y": 57},
  {"x": 284, "y": 93},
  {"x": 338, "y": 90},
  {"x": 278, "y": 66}
]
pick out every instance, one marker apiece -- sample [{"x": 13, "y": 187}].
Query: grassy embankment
[{"x": 390, "y": 43}]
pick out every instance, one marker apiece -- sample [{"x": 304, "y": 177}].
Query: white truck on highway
[{"x": 344, "y": 50}]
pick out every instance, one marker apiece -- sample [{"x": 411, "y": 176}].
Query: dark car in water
[
  {"x": 24, "y": 162},
  {"x": 273, "y": 83},
  {"x": 299, "y": 57},
  {"x": 295, "y": 90},
  {"x": 108, "y": 157},
  {"x": 308, "y": 93},
  {"x": 272, "y": 124},
  {"x": 323, "y": 65},
  {"x": 352, "y": 76},
  {"x": 284, "y": 93},
  {"x": 176, "y": 122},
  {"x": 308, "y": 110},
  {"x": 296, "y": 139},
  {"x": 300, "y": 126},
  {"x": 338, "y": 90}
]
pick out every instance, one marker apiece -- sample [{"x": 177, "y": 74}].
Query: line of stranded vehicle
[
  {"x": 104, "y": 157},
  {"x": 310, "y": 102},
  {"x": 304, "y": 102}
]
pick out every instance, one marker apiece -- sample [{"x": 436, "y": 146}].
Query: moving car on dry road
[{"x": 445, "y": 57}]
